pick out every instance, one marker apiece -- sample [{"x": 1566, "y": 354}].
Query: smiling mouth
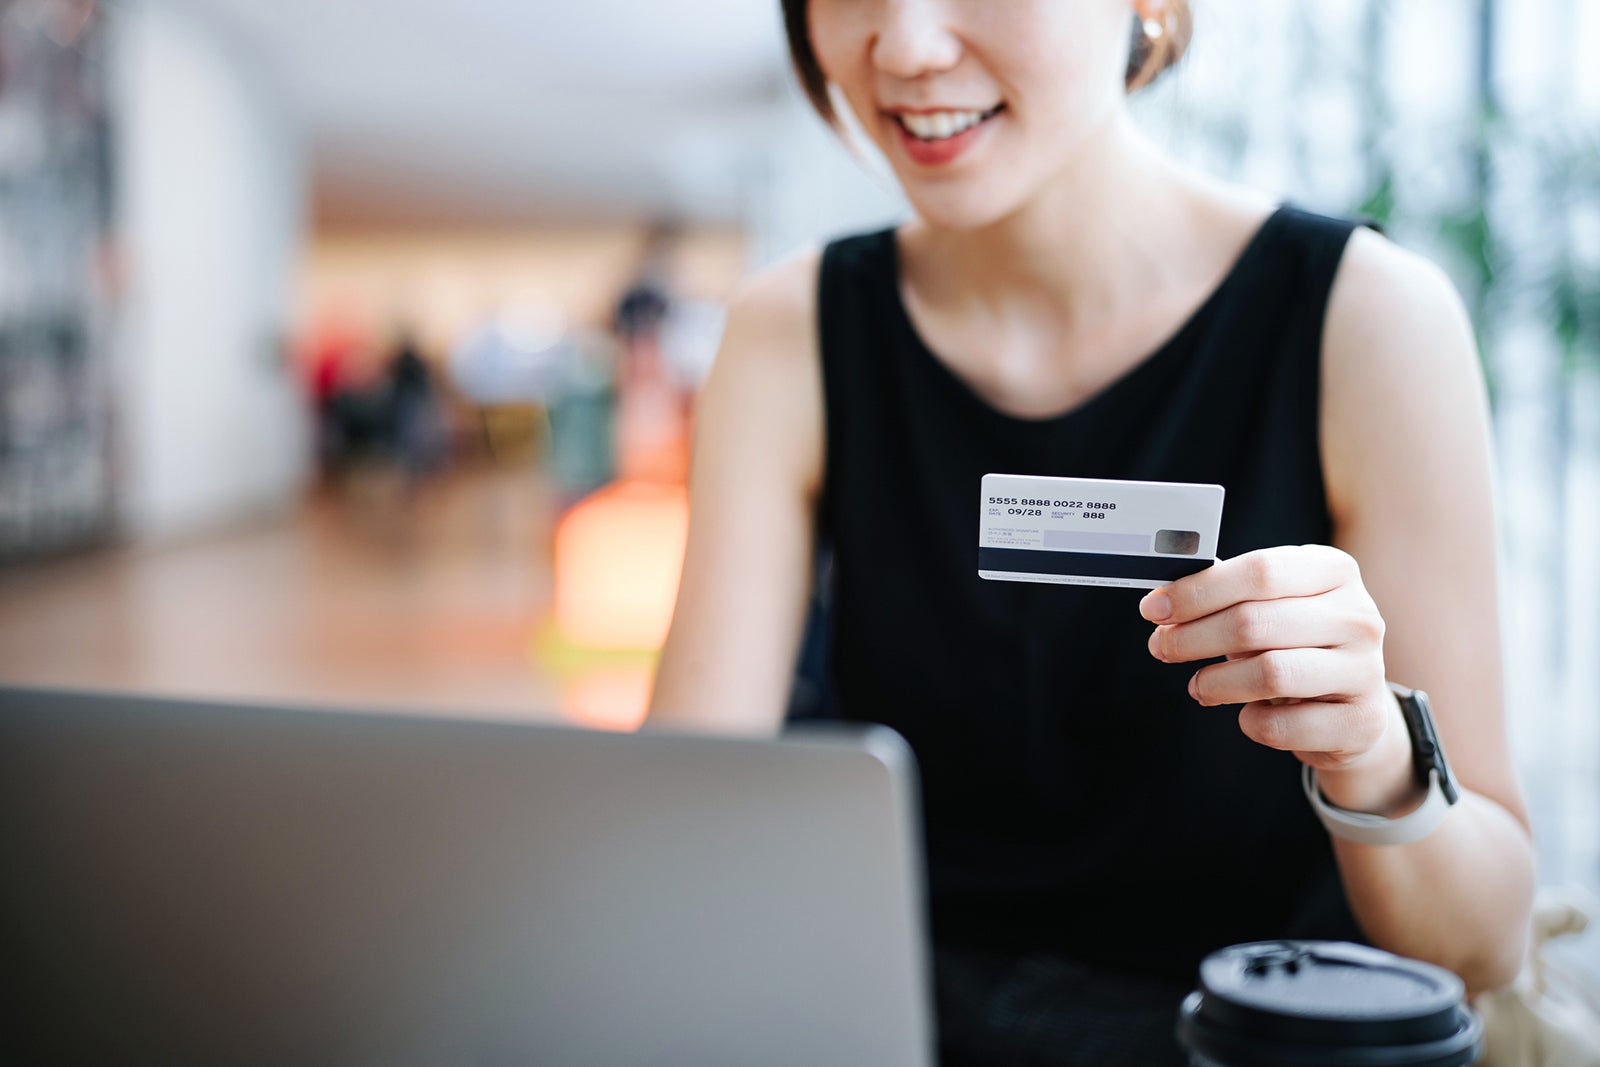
[{"x": 943, "y": 125}]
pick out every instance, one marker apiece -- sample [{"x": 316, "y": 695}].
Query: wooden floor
[{"x": 363, "y": 597}]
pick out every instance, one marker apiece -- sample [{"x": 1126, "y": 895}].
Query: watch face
[{"x": 1425, "y": 747}]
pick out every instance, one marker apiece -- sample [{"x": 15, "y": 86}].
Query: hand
[{"x": 1304, "y": 647}]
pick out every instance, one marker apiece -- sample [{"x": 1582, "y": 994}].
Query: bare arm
[
  {"x": 729, "y": 657},
  {"x": 1406, "y": 592},
  {"x": 1407, "y": 459}
]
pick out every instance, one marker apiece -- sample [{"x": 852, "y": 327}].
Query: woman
[{"x": 1112, "y": 784}]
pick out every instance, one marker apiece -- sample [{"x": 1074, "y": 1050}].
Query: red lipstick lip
[{"x": 941, "y": 152}]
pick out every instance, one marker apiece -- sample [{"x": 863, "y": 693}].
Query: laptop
[{"x": 203, "y": 883}]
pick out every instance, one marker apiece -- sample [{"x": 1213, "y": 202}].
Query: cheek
[
  {"x": 837, "y": 32},
  {"x": 1072, "y": 58}
]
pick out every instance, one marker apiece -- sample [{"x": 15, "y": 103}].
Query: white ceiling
[{"x": 502, "y": 109}]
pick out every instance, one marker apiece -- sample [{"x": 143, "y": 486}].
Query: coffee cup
[{"x": 1326, "y": 1004}]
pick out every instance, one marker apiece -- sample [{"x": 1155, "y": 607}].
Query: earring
[{"x": 1154, "y": 29}]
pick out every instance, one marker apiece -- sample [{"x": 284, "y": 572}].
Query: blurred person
[
  {"x": 652, "y": 416},
  {"x": 415, "y": 416},
  {"x": 647, "y": 300},
  {"x": 1112, "y": 788},
  {"x": 331, "y": 351},
  {"x": 642, "y": 308},
  {"x": 582, "y": 419}
]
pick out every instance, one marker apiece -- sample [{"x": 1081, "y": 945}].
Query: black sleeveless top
[{"x": 1075, "y": 798}]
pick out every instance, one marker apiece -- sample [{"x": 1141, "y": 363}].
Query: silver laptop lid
[{"x": 192, "y": 883}]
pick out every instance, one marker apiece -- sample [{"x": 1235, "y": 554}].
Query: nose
[{"x": 914, "y": 38}]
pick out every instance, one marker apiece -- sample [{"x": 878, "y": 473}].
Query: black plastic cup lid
[{"x": 1327, "y": 1004}]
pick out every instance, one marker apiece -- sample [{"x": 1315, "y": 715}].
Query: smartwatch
[{"x": 1431, "y": 772}]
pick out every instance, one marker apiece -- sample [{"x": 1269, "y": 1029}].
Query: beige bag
[{"x": 1550, "y": 1015}]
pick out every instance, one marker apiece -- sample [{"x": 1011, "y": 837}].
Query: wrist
[{"x": 1383, "y": 781}]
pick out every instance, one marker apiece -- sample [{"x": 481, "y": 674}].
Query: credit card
[{"x": 1096, "y": 531}]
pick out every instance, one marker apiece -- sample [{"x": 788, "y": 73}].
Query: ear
[{"x": 1152, "y": 12}]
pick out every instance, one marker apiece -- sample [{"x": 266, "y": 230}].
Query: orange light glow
[
  {"x": 612, "y": 698},
  {"x": 617, "y": 557}
]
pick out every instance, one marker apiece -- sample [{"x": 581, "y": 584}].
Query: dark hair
[{"x": 1147, "y": 58}]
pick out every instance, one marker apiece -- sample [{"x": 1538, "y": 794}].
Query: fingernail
[
  {"x": 1194, "y": 686},
  {"x": 1156, "y": 607}
]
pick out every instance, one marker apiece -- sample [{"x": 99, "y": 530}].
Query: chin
[
  {"x": 966, "y": 210},
  {"x": 960, "y": 202}
]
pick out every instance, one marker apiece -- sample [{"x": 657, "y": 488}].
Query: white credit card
[{"x": 1096, "y": 531}]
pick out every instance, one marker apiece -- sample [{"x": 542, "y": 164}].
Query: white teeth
[{"x": 937, "y": 125}]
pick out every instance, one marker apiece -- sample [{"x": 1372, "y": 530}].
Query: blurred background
[{"x": 347, "y": 351}]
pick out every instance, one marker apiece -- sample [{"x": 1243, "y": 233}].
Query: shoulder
[
  {"x": 776, "y": 317},
  {"x": 772, "y": 314},
  {"x": 1401, "y": 383},
  {"x": 1391, "y": 311},
  {"x": 784, "y": 293},
  {"x": 785, "y": 296},
  {"x": 771, "y": 324},
  {"x": 764, "y": 394}
]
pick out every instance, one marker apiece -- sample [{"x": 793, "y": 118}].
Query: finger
[
  {"x": 1265, "y": 574},
  {"x": 1258, "y": 625},
  {"x": 1296, "y": 673},
  {"x": 1326, "y": 732}
]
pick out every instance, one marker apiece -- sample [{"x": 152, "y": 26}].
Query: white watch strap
[{"x": 1366, "y": 829}]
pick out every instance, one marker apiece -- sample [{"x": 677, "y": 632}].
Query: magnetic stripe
[{"x": 1090, "y": 564}]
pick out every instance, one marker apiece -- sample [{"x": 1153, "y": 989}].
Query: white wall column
[{"x": 211, "y": 201}]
